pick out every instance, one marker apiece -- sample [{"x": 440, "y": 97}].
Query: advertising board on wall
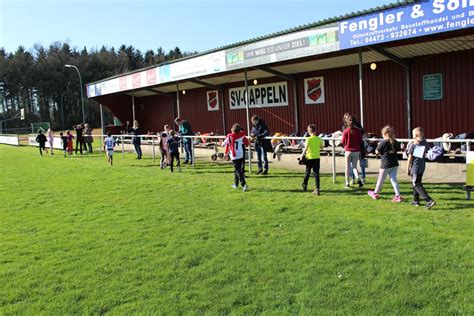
[
  {"x": 199, "y": 66},
  {"x": 417, "y": 19},
  {"x": 432, "y": 87},
  {"x": 265, "y": 95},
  {"x": 10, "y": 140},
  {"x": 299, "y": 44}
]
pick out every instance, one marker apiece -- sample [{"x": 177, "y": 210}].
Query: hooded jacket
[{"x": 235, "y": 145}]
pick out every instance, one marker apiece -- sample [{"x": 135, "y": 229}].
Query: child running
[
  {"x": 41, "y": 140},
  {"x": 351, "y": 140},
  {"x": 63, "y": 142},
  {"x": 234, "y": 144},
  {"x": 109, "y": 144},
  {"x": 50, "y": 140},
  {"x": 388, "y": 149},
  {"x": 70, "y": 137},
  {"x": 416, "y": 164},
  {"x": 311, "y": 152},
  {"x": 172, "y": 143}
]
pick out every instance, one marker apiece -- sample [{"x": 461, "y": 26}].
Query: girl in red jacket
[{"x": 351, "y": 140}]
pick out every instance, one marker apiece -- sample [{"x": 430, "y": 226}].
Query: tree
[{"x": 37, "y": 80}]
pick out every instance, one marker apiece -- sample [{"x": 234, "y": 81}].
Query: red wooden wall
[
  {"x": 455, "y": 112},
  {"x": 383, "y": 91}
]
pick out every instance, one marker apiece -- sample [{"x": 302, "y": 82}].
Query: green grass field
[{"x": 80, "y": 237}]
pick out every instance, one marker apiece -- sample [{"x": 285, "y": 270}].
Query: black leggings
[
  {"x": 172, "y": 157},
  {"x": 312, "y": 164},
  {"x": 41, "y": 148},
  {"x": 239, "y": 171}
]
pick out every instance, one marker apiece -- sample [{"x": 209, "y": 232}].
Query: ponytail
[{"x": 390, "y": 132}]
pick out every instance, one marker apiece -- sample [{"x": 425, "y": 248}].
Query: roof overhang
[{"x": 438, "y": 44}]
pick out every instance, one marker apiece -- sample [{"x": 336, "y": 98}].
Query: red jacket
[
  {"x": 351, "y": 139},
  {"x": 234, "y": 145}
]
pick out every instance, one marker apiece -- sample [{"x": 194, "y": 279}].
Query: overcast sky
[{"x": 192, "y": 25}]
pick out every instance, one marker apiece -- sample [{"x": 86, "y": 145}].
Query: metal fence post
[
  {"x": 100, "y": 145},
  {"x": 192, "y": 151},
  {"x": 153, "y": 147},
  {"x": 333, "y": 161},
  {"x": 123, "y": 150},
  {"x": 250, "y": 157}
]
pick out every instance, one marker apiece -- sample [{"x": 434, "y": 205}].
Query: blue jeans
[
  {"x": 138, "y": 149},
  {"x": 362, "y": 163},
  {"x": 262, "y": 157},
  {"x": 188, "y": 150}
]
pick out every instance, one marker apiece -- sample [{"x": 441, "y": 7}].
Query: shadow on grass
[
  {"x": 323, "y": 191},
  {"x": 145, "y": 166},
  {"x": 453, "y": 207},
  {"x": 276, "y": 175}
]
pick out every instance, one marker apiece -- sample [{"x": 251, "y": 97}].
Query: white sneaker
[
  {"x": 234, "y": 186},
  {"x": 363, "y": 180},
  {"x": 244, "y": 188}
]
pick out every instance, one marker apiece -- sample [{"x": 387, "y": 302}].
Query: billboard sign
[
  {"x": 260, "y": 96},
  {"x": 417, "y": 19},
  {"x": 299, "y": 44}
]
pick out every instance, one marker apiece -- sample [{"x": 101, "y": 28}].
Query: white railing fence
[{"x": 153, "y": 140}]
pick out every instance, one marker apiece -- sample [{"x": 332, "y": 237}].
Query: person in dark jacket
[
  {"x": 136, "y": 141},
  {"x": 186, "y": 130},
  {"x": 172, "y": 142},
  {"x": 79, "y": 137},
  {"x": 41, "y": 140},
  {"x": 262, "y": 145}
]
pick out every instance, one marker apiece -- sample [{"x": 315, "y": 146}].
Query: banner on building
[
  {"x": 213, "y": 100},
  {"x": 310, "y": 42},
  {"x": 265, "y": 95},
  {"x": 314, "y": 90},
  {"x": 417, "y": 19}
]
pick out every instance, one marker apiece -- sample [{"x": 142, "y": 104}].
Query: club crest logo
[
  {"x": 314, "y": 90},
  {"x": 213, "y": 100}
]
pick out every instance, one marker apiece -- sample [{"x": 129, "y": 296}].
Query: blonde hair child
[
  {"x": 416, "y": 165},
  {"x": 387, "y": 149}
]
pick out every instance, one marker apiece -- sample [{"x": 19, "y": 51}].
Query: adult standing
[
  {"x": 79, "y": 137},
  {"x": 136, "y": 141},
  {"x": 186, "y": 130},
  {"x": 88, "y": 137},
  {"x": 262, "y": 145}
]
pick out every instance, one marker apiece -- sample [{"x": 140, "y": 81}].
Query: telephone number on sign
[{"x": 391, "y": 35}]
